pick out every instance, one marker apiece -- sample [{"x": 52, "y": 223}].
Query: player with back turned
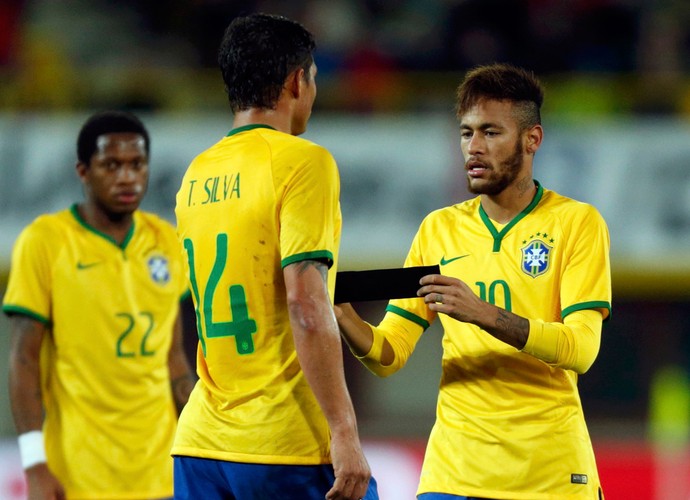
[
  {"x": 524, "y": 288},
  {"x": 259, "y": 218}
]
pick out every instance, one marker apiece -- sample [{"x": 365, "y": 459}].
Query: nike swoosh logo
[
  {"x": 444, "y": 261},
  {"x": 81, "y": 265}
]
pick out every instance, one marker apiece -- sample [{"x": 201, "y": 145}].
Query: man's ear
[
  {"x": 294, "y": 82},
  {"x": 81, "y": 168},
  {"x": 533, "y": 139}
]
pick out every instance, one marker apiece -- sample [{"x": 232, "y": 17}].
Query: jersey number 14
[{"x": 241, "y": 326}]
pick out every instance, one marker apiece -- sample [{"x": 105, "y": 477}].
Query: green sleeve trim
[
  {"x": 322, "y": 255},
  {"x": 408, "y": 315},
  {"x": 10, "y": 310},
  {"x": 595, "y": 304},
  {"x": 187, "y": 293}
]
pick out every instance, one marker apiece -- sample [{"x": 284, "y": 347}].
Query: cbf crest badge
[
  {"x": 159, "y": 269},
  {"x": 536, "y": 256}
]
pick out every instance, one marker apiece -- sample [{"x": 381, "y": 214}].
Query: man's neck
[
  {"x": 504, "y": 206},
  {"x": 271, "y": 117},
  {"x": 117, "y": 226}
]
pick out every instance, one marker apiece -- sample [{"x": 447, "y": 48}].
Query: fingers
[
  {"x": 348, "y": 489},
  {"x": 351, "y": 482},
  {"x": 437, "y": 298},
  {"x": 437, "y": 283},
  {"x": 437, "y": 279},
  {"x": 350, "y": 469},
  {"x": 441, "y": 293},
  {"x": 439, "y": 302},
  {"x": 436, "y": 293}
]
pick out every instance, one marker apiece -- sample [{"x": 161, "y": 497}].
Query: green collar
[
  {"x": 498, "y": 235},
  {"x": 130, "y": 233},
  {"x": 248, "y": 127}
]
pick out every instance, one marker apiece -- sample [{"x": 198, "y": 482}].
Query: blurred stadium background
[{"x": 617, "y": 122}]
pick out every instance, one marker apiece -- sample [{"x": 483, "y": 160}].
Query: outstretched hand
[{"x": 453, "y": 297}]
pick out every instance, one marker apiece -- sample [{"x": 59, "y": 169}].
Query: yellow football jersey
[
  {"x": 253, "y": 203},
  {"x": 110, "y": 416},
  {"x": 509, "y": 425}
]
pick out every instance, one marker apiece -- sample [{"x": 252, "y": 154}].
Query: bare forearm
[
  {"x": 317, "y": 342},
  {"x": 24, "y": 374},
  {"x": 453, "y": 297},
  {"x": 505, "y": 326},
  {"x": 25, "y": 400},
  {"x": 319, "y": 350},
  {"x": 355, "y": 331},
  {"x": 366, "y": 341},
  {"x": 181, "y": 389},
  {"x": 182, "y": 379},
  {"x": 320, "y": 356}
]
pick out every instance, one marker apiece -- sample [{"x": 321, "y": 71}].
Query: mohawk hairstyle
[{"x": 502, "y": 82}]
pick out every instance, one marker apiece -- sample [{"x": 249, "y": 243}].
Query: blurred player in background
[
  {"x": 97, "y": 369},
  {"x": 524, "y": 289},
  {"x": 259, "y": 217}
]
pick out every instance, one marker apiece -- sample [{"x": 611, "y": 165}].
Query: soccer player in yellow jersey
[
  {"x": 97, "y": 368},
  {"x": 258, "y": 215},
  {"x": 524, "y": 288}
]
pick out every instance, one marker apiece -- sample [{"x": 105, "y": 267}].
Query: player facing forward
[
  {"x": 524, "y": 288},
  {"x": 97, "y": 367}
]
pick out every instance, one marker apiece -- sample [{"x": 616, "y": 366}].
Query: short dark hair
[
  {"x": 257, "y": 54},
  {"x": 107, "y": 122},
  {"x": 503, "y": 82}
]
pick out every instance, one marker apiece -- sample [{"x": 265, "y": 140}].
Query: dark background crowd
[{"x": 626, "y": 56}]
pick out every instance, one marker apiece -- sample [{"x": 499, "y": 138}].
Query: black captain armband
[{"x": 380, "y": 284}]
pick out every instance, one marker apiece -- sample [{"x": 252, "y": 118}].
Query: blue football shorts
[
  {"x": 446, "y": 496},
  {"x": 196, "y": 478}
]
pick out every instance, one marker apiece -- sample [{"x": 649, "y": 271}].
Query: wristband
[{"x": 31, "y": 449}]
